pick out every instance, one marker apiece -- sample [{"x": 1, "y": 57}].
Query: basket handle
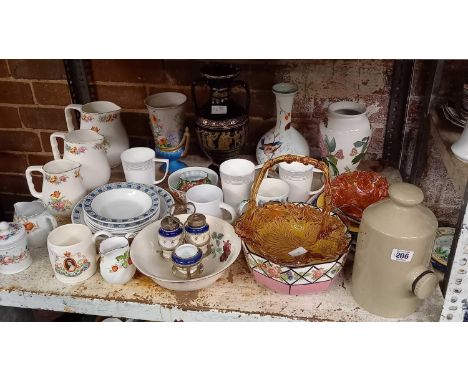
[{"x": 327, "y": 203}]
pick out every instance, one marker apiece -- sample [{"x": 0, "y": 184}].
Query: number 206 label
[{"x": 402, "y": 255}]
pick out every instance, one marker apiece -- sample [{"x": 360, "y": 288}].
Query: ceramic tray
[{"x": 226, "y": 246}]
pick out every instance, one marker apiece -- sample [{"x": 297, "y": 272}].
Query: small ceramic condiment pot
[
  {"x": 299, "y": 177},
  {"x": 208, "y": 200},
  {"x": 237, "y": 176},
  {"x": 197, "y": 231},
  {"x": 187, "y": 261},
  {"x": 170, "y": 235},
  {"x": 72, "y": 253},
  {"x": 36, "y": 220},
  {"x": 139, "y": 165},
  {"x": 14, "y": 252},
  {"x": 115, "y": 264}
]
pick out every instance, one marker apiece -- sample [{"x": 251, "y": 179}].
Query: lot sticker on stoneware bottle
[{"x": 402, "y": 255}]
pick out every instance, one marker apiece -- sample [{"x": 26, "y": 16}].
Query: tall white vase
[
  {"x": 460, "y": 147},
  {"x": 346, "y": 137},
  {"x": 283, "y": 138}
]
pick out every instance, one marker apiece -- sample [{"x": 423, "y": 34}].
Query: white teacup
[
  {"x": 139, "y": 165},
  {"x": 299, "y": 177},
  {"x": 72, "y": 253},
  {"x": 237, "y": 176},
  {"x": 208, "y": 200},
  {"x": 270, "y": 190}
]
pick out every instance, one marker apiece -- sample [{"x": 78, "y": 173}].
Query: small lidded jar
[
  {"x": 197, "y": 231},
  {"x": 14, "y": 252},
  {"x": 170, "y": 235},
  {"x": 187, "y": 262}
]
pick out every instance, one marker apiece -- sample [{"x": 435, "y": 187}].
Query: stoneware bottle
[
  {"x": 283, "y": 138},
  {"x": 345, "y": 138},
  {"x": 104, "y": 118},
  {"x": 391, "y": 274}
]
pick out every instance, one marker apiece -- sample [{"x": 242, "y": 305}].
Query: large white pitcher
[
  {"x": 85, "y": 147},
  {"x": 104, "y": 118},
  {"x": 62, "y": 186}
]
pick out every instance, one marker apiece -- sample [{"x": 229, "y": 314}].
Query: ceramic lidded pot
[
  {"x": 283, "y": 138},
  {"x": 170, "y": 235},
  {"x": 221, "y": 123},
  {"x": 14, "y": 252},
  {"x": 396, "y": 235},
  {"x": 103, "y": 117},
  {"x": 197, "y": 231},
  {"x": 346, "y": 137},
  {"x": 36, "y": 220}
]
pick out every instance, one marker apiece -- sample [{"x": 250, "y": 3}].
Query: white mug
[
  {"x": 299, "y": 177},
  {"x": 270, "y": 190},
  {"x": 139, "y": 165},
  {"x": 237, "y": 176},
  {"x": 72, "y": 253},
  {"x": 208, "y": 200}
]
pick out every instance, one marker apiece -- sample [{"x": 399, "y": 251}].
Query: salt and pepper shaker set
[{"x": 185, "y": 244}]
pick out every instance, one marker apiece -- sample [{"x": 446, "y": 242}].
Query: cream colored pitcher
[
  {"x": 85, "y": 147},
  {"x": 62, "y": 186},
  {"x": 104, "y": 118}
]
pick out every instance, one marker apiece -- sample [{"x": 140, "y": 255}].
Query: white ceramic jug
[
  {"x": 115, "y": 265},
  {"x": 85, "y": 147},
  {"x": 346, "y": 137},
  {"x": 104, "y": 118},
  {"x": 62, "y": 186},
  {"x": 36, "y": 220}
]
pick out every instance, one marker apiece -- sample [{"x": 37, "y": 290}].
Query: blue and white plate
[
  {"x": 165, "y": 198},
  {"x": 133, "y": 201}
]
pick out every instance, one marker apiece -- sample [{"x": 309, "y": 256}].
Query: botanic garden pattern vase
[
  {"x": 104, "y": 118},
  {"x": 62, "y": 185},
  {"x": 346, "y": 137},
  {"x": 221, "y": 123},
  {"x": 283, "y": 138}
]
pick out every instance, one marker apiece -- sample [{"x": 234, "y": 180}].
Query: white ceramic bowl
[
  {"x": 174, "y": 178},
  {"x": 145, "y": 248}
]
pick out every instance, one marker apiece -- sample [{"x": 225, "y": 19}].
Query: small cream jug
[
  {"x": 36, "y": 220},
  {"x": 104, "y": 118},
  {"x": 62, "y": 186},
  {"x": 391, "y": 274},
  {"x": 116, "y": 266},
  {"x": 85, "y": 147}
]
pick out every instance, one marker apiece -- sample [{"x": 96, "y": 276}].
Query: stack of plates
[{"x": 121, "y": 208}]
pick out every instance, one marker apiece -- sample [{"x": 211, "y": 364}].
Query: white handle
[
  {"x": 101, "y": 233},
  {"x": 54, "y": 143},
  {"x": 69, "y": 117},
  {"x": 229, "y": 209},
  {"x": 52, "y": 220},
  {"x": 32, "y": 190},
  {"x": 166, "y": 161}
]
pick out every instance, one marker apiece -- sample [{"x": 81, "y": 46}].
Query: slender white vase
[
  {"x": 283, "y": 138},
  {"x": 460, "y": 147},
  {"x": 346, "y": 137}
]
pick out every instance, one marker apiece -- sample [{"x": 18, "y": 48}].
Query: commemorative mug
[
  {"x": 72, "y": 253},
  {"x": 139, "y": 164},
  {"x": 237, "y": 176},
  {"x": 208, "y": 200},
  {"x": 299, "y": 178}
]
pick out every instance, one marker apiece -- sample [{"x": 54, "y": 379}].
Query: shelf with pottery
[
  {"x": 445, "y": 135},
  {"x": 234, "y": 296}
]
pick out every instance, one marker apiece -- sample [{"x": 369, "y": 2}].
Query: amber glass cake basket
[{"x": 293, "y": 234}]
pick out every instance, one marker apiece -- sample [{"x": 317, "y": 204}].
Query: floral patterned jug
[
  {"x": 62, "y": 185},
  {"x": 104, "y": 118},
  {"x": 87, "y": 148}
]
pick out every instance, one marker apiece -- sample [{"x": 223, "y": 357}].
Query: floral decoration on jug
[
  {"x": 76, "y": 150},
  {"x": 54, "y": 179},
  {"x": 58, "y": 202}
]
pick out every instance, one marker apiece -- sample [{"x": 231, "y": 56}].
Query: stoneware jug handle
[
  {"x": 68, "y": 115},
  {"x": 166, "y": 161},
  {"x": 54, "y": 143},
  {"x": 32, "y": 190},
  {"x": 229, "y": 209}
]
